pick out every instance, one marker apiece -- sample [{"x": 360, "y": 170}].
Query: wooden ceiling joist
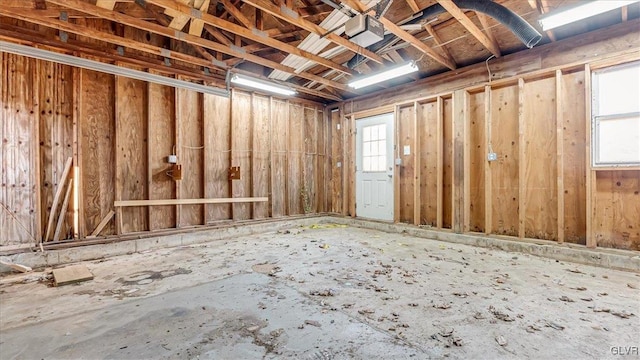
[
  {"x": 440, "y": 43},
  {"x": 251, "y": 33},
  {"x": 397, "y": 31},
  {"x": 196, "y": 26},
  {"x": 484, "y": 21},
  {"x": 106, "y": 4},
  {"x": 29, "y": 37},
  {"x": 292, "y": 17},
  {"x": 414, "y": 7},
  {"x": 117, "y": 40},
  {"x": 236, "y": 13},
  {"x": 457, "y": 13},
  {"x": 187, "y": 38}
]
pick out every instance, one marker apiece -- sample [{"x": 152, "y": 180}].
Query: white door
[{"x": 374, "y": 167}]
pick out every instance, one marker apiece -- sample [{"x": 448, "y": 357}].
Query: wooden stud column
[
  {"x": 416, "y": 166},
  {"x": 591, "y": 175},
  {"x": 488, "y": 201},
  {"x": 466, "y": 170},
  {"x": 78, "y": 207},
  {"x": 560, "y": 155},
  {"x": 458, "y": 175},
  {"x": 440, "y": 165},
  {"x": 521, "y": 160}
]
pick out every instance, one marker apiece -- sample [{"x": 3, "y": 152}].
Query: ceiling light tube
[
  {"x": 581, "y": 11},
  {"x": 262, "y": 85},
  {"x": 64, "y": 59},
  {"x": 389, "y": 74}
]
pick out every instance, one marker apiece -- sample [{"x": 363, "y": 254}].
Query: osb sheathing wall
[
  {"x": 119, "y": 132},
  {"x": 542, "y": 185}
]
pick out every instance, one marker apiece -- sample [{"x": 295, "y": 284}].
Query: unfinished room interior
[{"x": 319, "y": 179}]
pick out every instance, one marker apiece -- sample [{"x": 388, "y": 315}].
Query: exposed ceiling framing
[{"x": 203, "y": 40}]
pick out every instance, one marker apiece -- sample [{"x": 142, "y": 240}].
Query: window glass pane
[
  {"x": 619, "y": 141},
  {"x": 366, "y": 133},
  {"x": 382, "y": 131},
  {"x": 618, "y": 90},
  {"x": 382, "y": 148},
  {"x": 380, "y": 163},
  {"x": 366, "y": 164},
  {"x": 366, "y": 149},
  {"x": 374, "y": 133}
]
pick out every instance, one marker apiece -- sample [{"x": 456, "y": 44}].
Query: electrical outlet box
[
  {"x": 176, "y": 172},
  {"x": 234, "y": 173},
  {"x": 172, "y": 159},
  {"x": 398, "y": 161},
  {"x": 492, "y": 156}
]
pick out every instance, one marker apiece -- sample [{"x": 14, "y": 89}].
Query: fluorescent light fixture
[
  {"x": 392, "y": 73},
  {"x": 261, "y": 85},
  {"x": 55, "y": 57},
  {"x": 584, "y": 10}
]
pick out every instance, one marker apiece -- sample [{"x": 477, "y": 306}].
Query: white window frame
[{"x": 597, "y": 119}]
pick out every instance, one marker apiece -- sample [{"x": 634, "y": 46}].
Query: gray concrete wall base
[
  {"x": 609, "y": 258},
  {"x": 52, "y": 258}
]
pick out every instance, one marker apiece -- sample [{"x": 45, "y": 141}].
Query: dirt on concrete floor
[{"x": 324, "y": 292}]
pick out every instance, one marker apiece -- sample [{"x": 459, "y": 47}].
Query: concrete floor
[{"x": 324, "y": 292}]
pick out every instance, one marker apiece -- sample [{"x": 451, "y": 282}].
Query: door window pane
[{"x": 374, "y": 148}]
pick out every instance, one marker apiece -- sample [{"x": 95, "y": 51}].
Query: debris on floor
[
  {"x": 71, "y": 274},
  {"x": 16, "y": 267}
]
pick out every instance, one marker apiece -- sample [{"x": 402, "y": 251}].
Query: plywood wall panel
[
  {"x": 406, "y": 135},
  {"x": 574, "y": 143},
  {"x": 161, "y": 128},
  {"x": 296, "y": 150},
  {"x": 478, "y": 152},
  {"x": 309, "y": 172},
  {"x": 217, "y": 139},
  {"x": 241, "y": 137},
  {"x": 447, "y": 164},
  {"x": 617, "y": 209},
  {"x": 190, "y": 151},
  {"x": 131, "y": 151},
  {"x": 261, "y": 154},
  {"x": 56, "y": 135},
  {"x": 18, "y": 192},
  {"x": 279, "y": 168},
  {"x": 504, "y": 171},
  {"x": 428, "y": 132},
  {"x": 97, "y": 130},
  {"x": 540, "y": 160}
]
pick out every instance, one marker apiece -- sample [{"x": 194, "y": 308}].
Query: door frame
[{"x": 364, "y": 115}]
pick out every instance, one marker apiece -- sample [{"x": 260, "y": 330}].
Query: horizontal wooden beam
[
  {"x": 251, "y": 33},
  {"x": 295, "y": 19},
  {"x": 23, "y": 36},
  {"x": 128, "y": 203},
  {"x": 110, "y": 38},
  {"x": 160, "y": 30}
]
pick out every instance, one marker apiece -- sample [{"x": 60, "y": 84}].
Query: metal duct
[{"x": 519, "y": 26}]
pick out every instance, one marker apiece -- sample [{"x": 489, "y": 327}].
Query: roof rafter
[
  {"x": 457, "y": 13},
  {"x": 439, "y": 41},
  {"x": 252, "y": 33},
  {"x": 114, "y": 39},
  {"x": 191, "y": 39},
  {"x": 292, "y": 17},
  {"x": 397, "y": 31}
]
